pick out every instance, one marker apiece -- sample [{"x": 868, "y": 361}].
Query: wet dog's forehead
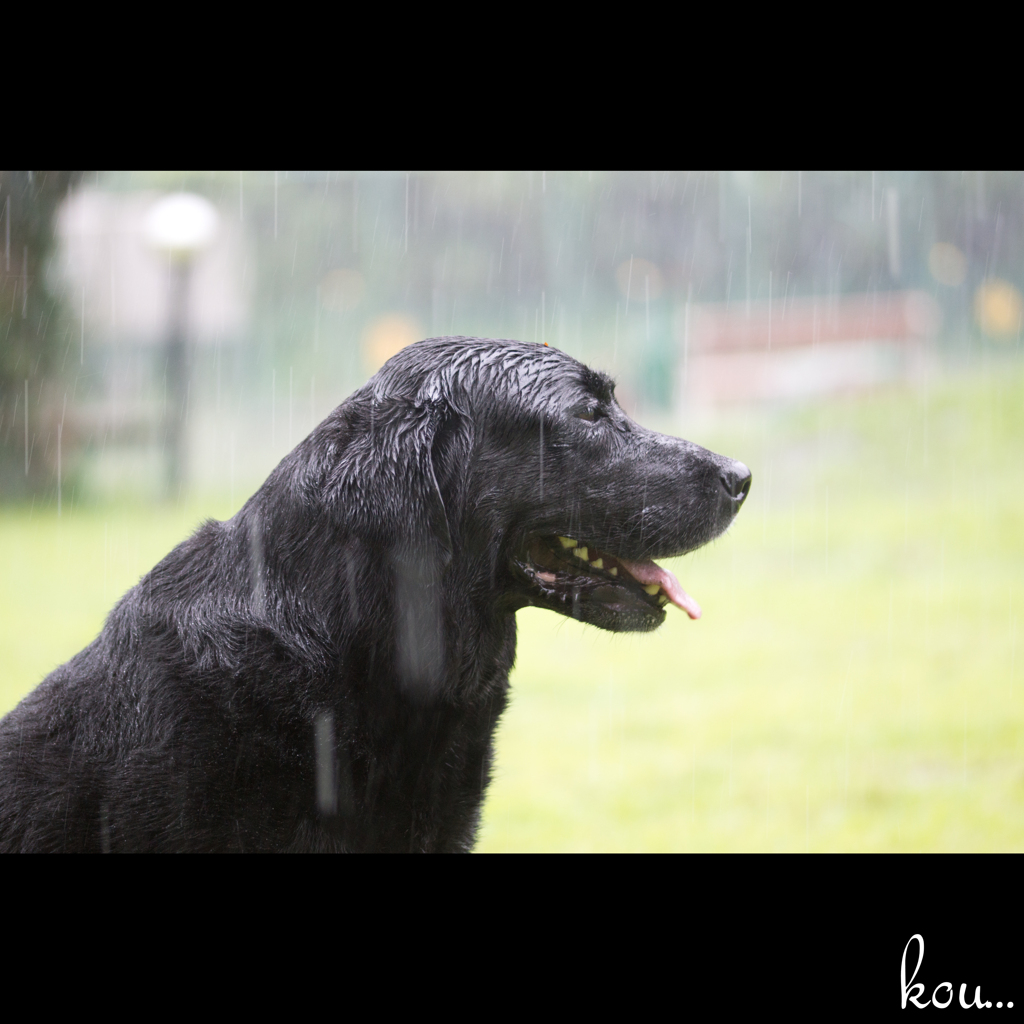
[
  {"x": 534, "y": 375},
  {"x": 488, "y": 371}
]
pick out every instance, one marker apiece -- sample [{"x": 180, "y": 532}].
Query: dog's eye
[{"x": 587, "y": 412}]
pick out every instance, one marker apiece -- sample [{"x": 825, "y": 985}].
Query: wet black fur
[{"x": 365, "y": 595}]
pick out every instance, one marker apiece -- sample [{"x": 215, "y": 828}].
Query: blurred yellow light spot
[
  {"x": 385, "y": 337},
  {"x": 947, "y": 264},
  {"x": 999, "y": 308},
  {"x": 639, "y": 279},
  {"x": 342, "y": 290}
]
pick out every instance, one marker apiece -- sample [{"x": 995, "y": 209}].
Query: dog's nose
[{"x": 736, "y": 481}]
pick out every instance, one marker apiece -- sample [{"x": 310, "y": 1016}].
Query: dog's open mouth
[{"x": 576, "y": 578}]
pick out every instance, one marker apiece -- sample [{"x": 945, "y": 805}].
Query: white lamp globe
[{"x": 181, "y": 224}]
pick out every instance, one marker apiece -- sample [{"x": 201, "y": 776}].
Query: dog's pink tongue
[{"x": 651, "y": 572}]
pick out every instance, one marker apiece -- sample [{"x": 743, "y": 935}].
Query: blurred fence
[{"x": 804, "y": 347}]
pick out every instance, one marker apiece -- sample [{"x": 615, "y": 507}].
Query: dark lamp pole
[{"x": 179, "y": 227}]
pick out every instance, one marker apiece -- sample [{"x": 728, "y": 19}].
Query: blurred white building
[{"x": 119, "y": 284}]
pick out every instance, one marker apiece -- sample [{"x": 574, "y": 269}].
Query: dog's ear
[
  {"x": 398, "y": 463},
  {"x": 437, "y": 455},
  {"x": 434, "y": 471},
  {"x": 450, "y": 448},
  {"x": 409, "y": 449}
]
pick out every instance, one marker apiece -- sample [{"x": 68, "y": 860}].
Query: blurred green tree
[{"x": 34, "y": 330}]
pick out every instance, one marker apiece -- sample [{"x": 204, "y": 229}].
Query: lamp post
[{"x": 179, "y": 227}]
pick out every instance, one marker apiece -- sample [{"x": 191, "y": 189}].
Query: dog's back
[{"x": 191, "y": 722}]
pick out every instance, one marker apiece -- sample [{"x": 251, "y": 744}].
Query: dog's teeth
[
  {"x": 567, "y": 542},
  {"x": 652, "y": 588},
  {"x": 663, "y": 599},
  {"x": 598, "y": 563},
  {"x": 614, "y": 571},
  {"x": 581, "y": 553}
]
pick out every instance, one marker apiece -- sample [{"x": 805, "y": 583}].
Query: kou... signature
[{"x": 942, "y": 994}]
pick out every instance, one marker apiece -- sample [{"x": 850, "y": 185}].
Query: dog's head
[{"x": 514, "y": 464}]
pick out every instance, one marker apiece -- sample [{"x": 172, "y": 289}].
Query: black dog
[{"x": 325, "y": 670}]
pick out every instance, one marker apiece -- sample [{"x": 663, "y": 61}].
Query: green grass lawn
[{"x": 855, "y": 682}]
